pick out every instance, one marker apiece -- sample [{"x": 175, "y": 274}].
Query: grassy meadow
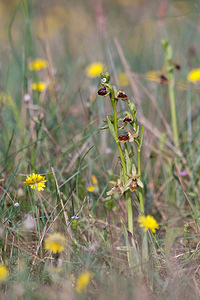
[{"x": 99, "y": 149}]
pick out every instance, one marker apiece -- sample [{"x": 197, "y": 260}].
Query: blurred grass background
[{"x": 59, "y": 129}]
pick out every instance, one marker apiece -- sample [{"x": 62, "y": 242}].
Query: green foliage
[{"x": 55, "y": 133}]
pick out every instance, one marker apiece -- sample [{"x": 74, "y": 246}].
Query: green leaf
[
  {"x": 141, "y": 136},
  {"x": 132, "y": 109},
  {"x": 112, "y": 130},
  {"x": 167, "y": 49},
  {"x": 171, "y": 234},
  {"x": 194, "y": 210},
  {"x": 165, "y": 44},
  {"x": 132, "y": 252},
  {"x": 8, "y": 186},
  {"x": 145, "y": 253},
  {"x": 162, "y": 142}
]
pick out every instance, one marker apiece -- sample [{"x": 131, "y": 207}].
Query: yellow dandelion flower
[
  {"x": 38, "y": 64},
  {"x": 39, "y": 86},
  {"x": 83, "y": 281},
  {"x": 194, "y": 75},
  {"x": 123, "y": 80},
  {"x": 94, "y": 70},
  {"x": 3, "y": 272},
  {"x": 91, "y": 188},
  {"x": 55, "y": 243},
  {"x": 36, "y": 181},
  {"x": 148, "y": 222},
  {"x": 94, "y": 180}
]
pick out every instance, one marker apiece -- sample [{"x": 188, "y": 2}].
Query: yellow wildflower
[
  {"x": 94, "y": 180},
  {"x": 83, "y": 281},
  {"x": 194, "y": 75},
  {"x": 123, "y": 80},
  {"x": 3, "y": 272},
  {"x": 39, "y": 86},
  {"x": 94, "y": 70},
  {"x": 55, "y": 243},
  {"x": 91, "y": 188},
  {"x": 36, "y": 181},
  {"x": 148, "y": 222},
  {"x": 38, "y": 64},
  {"x": 94, "y": 186}
]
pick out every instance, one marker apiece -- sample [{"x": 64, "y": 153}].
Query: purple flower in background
[
  {"x": 183, "y": 173},
  {"x": 75, "y": 218}
]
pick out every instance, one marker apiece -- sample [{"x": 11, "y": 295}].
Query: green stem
[
  {"x": 127, "y": 193},
  {"x": 170, "y": 75},
  {"x": 173, "y": 111},
  {"x": 129, "y": 211},
  {"x": 118, "y": 143},
  {"x": 139, "y": 188}
]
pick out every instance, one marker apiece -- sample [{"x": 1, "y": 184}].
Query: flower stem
[
  {"x": 170, "y": 75},
  {"x": 129, "y": 211},
  {"x": 118, "y": 143},
  {"x": 127, "y": 193},
  {"x": 139, "y": 188},
  {"x": 173, "y": 111}
]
